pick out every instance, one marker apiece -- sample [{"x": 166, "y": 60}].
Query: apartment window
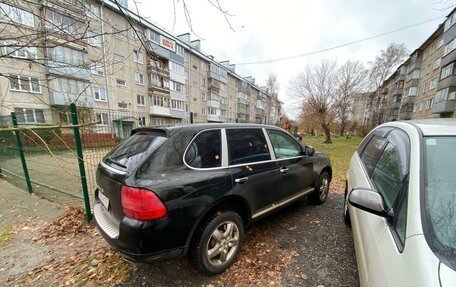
[
  {"x": 135, "y": 32},
  {"x": 223, "y": 74},
  {"x": 186, "y": 75},
  {"x": 203, "y": 66},
  {"x": 16, "y": 15},
  {"x": 120, "y": 82},
  {"x": 180, "y": 50},
  {"x": 421, "y": 106},
  {"x": 154, "y": 37},
  {"x": 177, "y": 105},
  {"x": 449, "y": 22},
  {"x": 429, "y": 104},
  {"x": 24, "y": 84},
  {"x": 94, "y": 39},
  {"x": 177, "y": 68},
  {"x": 447, "y": 71},
  {"x": 102, "y": 118},
  {"x": 69, "y": 86},
  {"x": 118, "y": 58},
  {"x": 446, "y": 94},
  {"x": 204, "y": 111},
  {"x": 141, "y": 100},
  {"x": 99, "y": 94},
  {"x": 195, "y": 84},
  {"x": 142, "y": 121},
  {"x": 138, "y": 57},
  {"x": 139, "y": 79},
  {"x": 122, "y": 105},
  {"x": 186, "y": 55},
  {"x": 433, "y": 84},
  {"x": 116, "y": 32},
  {"x": 61, "y": 23},
  {"x": 224, "y": 100},
  {"x": 29, "y": 116},
  {"x": 413, "y": 91},
  {"x": 449, "y": 47},
  {"x": 204, "y": 96},
  {"x": 203, "y": 81},
  {"x": 93, "y": 12},
  {"x": 437, "y": 63},
  {"x": 18, "y": 51},
  {"x": 223, "y": 86},
  {"x": 97, "y": 68},
  {"x": 176, "y": 86},
  {"x": 160, "y": 101},
  {"x": 66, "y": 55},
  {"x": 440, "y": 44}
]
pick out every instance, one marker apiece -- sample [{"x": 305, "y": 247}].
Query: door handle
[
  {"x": 283, "y": 169},
  {"x": 241, "y": 179}
]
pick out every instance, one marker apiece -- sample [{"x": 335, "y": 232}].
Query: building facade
[{"x": 126, "y": 70}]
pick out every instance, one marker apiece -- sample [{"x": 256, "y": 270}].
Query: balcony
[
  {"x": 67, "y": 70},
  {"x": 177, "y": 113},
  {"x": 244, "y": 89},
  {"x": 444, "y": 107},
  {"x": 260, "y": 105},
  {"x": 406, "y": 115},
  {"x": 414, "y": 66},
  {"x": 158, "y": 50},
  {"x": 447, "y": 82},
  {"x": 213, "y": 104},
  {"x": 158, "y": 87},
  {"x": 157, "y": 69},
  {"x": 178, "y": 96},
  {"x": 160, "y": 111},
  {"x": 397, "y": 91},
  {"x": 242, "y": 111},
  {"x": 243, "y": 98},
  {"x": 408, "y": 100},
  {"x": 75, "y": 9},
  {"x": 64, "y": 99},
  {"x": 214, "y": 85},
  {"x": 216, "y": 118},
  {"x": 412, "y": 83}
]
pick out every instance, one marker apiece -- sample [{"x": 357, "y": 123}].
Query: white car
[{"x": 400, "y": 199}]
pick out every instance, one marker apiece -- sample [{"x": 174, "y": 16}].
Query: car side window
[
  {"x": 205, "y": 151},
  {"x": 371, "y": 153},
  {"x": 246, "y": 146},
  {"x": 284, "y": 146}
]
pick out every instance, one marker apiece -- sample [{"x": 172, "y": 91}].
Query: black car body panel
[{"x": 190, "y": 194}]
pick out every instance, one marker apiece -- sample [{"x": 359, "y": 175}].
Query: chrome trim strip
[
  {"x": 112, "y": 169},
  {"x": 103, "y": 221},
  {"x": 268, "y": 141},
  {"x": 276, "y": 205},
  {"x": 224, "y": 149}
]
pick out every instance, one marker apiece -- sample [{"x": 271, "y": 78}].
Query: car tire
[
  {"x": 214, "y": 232},
  {"x": 346, "y": 213},
  {"x": 321, "y": 191}
]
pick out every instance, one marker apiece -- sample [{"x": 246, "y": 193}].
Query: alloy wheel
[{"x": 223, "y": 243}]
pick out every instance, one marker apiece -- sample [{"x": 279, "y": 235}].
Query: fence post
[
  {"x": 191, "y": 117},
  {"x": 77, "y": 139},
  {"x": 21, "y": 153}
]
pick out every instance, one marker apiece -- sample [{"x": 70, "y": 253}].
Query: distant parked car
[
  {"x": 192, "y": 190},
  {"x": 400, "y": 199}
]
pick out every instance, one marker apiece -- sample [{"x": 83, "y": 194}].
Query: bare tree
[
  {"x": 272, "y": 84},
  {"x": 317, "y": 88},
  {"x": 350, "y": 81}
]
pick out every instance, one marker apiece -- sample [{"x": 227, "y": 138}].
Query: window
[
  {"x": 413, "y": 91},
  {"x": 203, "y": 81},
  {"x": 421, "y": 106},
  {"x": 204, "y": 96},
  {"x": 141, "y": 100},
  {"x": 61, "y": 23},
  {"x": 429, "y": 104},
  {"x": 16, "y": 15},
  {"x": 19, "y": 51},
  {"x": 177, "y": 68},
  {"x": 371, "y": 153},
  {"x": 94, "y": 39},
  {"x": 179, "y": 50},
  {"x": 447, "y": 71},
  {"x": 116, "y": 32},
  {"x": 449, "y": 47},
  {"x": 177, "y": 105},
  {"x": 154, "y": 37},
  {"x": 138, "y": 57},
  {"x": 97, "y": 68},
  {"x": 176, "y": 86},
  {"x": 284, "y": 146},
  {"x": 29, "y": 116},
  {"x": 122, "y": 105},
  {"x": 223, "y": 87},
  {"x": 102, "y": 118},
  {"x": 158, "y": 81},
  {"x": 69, "y": 86},
  {"x": 24, "y": 84},
  {"x": 120, "y": 82},
  {"x": 135, "y": 32},
  {"x": 224, "y": 100},
  {"x": 99, "y": 94},
  {"x": 205, "y": 151},
  {"x": 203, "y": 66},
  {"x": 433, "y": 84},
  {"x": 186, "y": 55},
  {"x": 139, "y": 79},
  {"x": 66, "y": 55},
  {"x": 246, "y": 146},
  {"x": 118, "y": 58},
  {"x": 142, "y": 121},
  {"x": 437, "y": 63},
  {"x": 93, "y": 12},
  {"x": 440, "y": 44},
  {"x": 203, "y": 111},
  {"x": 160, "y": 101}
]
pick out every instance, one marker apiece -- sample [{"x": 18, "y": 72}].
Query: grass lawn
[{"x": 340, "y": 152}]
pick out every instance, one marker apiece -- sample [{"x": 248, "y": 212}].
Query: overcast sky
[{"x": 273, "y": 29}]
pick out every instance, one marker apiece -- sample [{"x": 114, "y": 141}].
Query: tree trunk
[
  {"x": 327, "y": 133},
  {"x": 342, "y": 127}
]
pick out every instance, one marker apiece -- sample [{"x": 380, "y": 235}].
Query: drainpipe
[{"x": 111, "y": 123}]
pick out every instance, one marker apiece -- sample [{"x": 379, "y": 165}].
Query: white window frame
[
  {"x": 139, "y": 79},
  {"x": 93, "y": 11},
  {"x": 104, "y": 119},
  {"x": 97, "y": 68},
  {"x": 180, "y": 50},
  {"x": 141, "y": 100},
  {"x": 99, "y": 94},
  {"x": 24, "y": 115},
  {"x": 118, "y": 58},
  {"x": 17, "y": 15},
  {"x": 18, "y": 51},
  {"x": 21, "y": 81},
  {"x": 153, "y": 36},
  {"x": 138, "y": 57},
  {"x": 94, "y": 40}
]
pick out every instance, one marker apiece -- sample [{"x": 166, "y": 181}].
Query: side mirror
[
  {"x": 308, "y": 150},
  {"x": 368, "y": 200}
]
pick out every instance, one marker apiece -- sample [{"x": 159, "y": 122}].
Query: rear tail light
[{"x": 141, "y": 204}]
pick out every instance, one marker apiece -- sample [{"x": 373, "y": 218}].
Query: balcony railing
[
  {"x": 62, "y": 99},
  {"x": 159, "y": 110},
  {"x": 214, "y": 84}
]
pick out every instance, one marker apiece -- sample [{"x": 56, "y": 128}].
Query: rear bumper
[{"x": 137, "y": 241}]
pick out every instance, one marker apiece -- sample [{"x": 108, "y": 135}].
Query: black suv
[{"x": 193, "y": 189}]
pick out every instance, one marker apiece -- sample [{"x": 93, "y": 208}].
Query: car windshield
[
  {"x": 131, "y": 152},
  {"x": 440, "y": 196}
]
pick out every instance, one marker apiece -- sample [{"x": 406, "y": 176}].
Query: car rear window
[
  {"x": 206, "y": 150},
  {"x": 131, "y": 152}
]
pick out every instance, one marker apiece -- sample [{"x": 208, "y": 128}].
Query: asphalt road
[{"x": 301, "y": 245}]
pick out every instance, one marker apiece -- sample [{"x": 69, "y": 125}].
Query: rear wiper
[{"x": 116, "y": 163}]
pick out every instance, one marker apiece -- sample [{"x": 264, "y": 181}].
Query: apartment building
[
  {"x": 126, "y": 70},
  {"x": 424, "y": 86}
]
